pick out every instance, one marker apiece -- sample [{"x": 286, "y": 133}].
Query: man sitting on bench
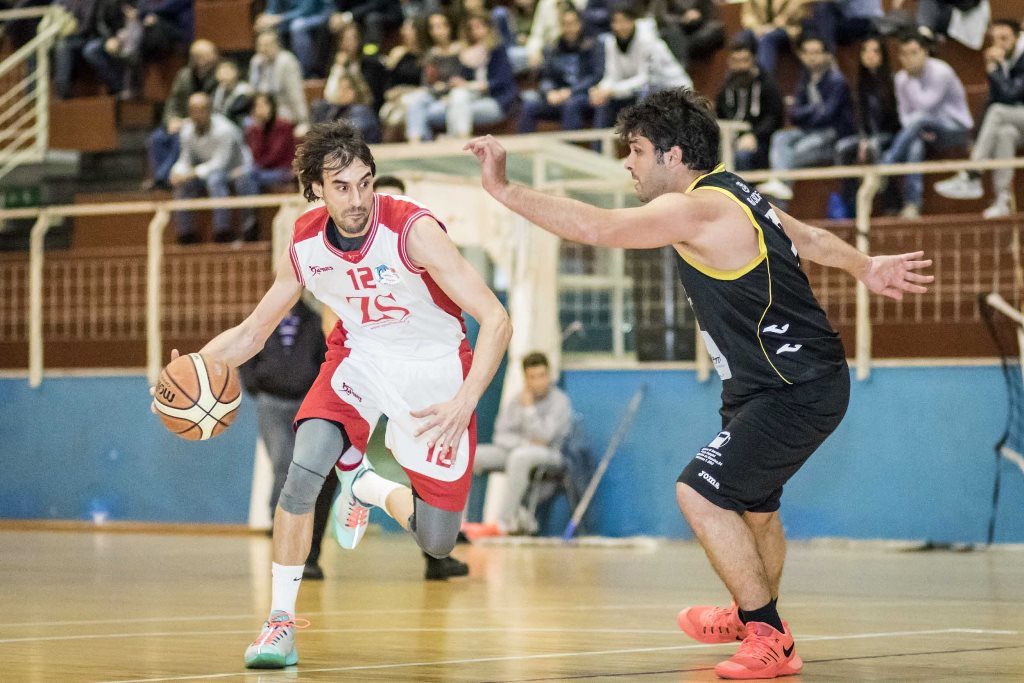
[{"x": 529, "y": 433}]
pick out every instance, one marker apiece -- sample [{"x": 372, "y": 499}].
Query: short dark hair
[
  {"x": 329, "y": 147},
  {"x": 808, "y": 37},
  {"x": 915, "y": 36},
  {"x": 535, "y": 359},
  {"x": 676, "y": 117},
  {"x": 625, "y": 7},
  {"x": 1008, "y": 23},
  {"x": 390, "y": 181},
  {"x": 742, "y": 45}
]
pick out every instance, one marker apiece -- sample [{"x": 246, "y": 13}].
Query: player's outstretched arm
[
  {"x": 245, "y": 340},
  {"x": 889, "y": 276},
  {"x": 431, "y": 248},
  {"x": 668, "y": 219}
]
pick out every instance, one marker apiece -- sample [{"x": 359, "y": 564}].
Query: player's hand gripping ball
[{"x": 197, "y": 397}]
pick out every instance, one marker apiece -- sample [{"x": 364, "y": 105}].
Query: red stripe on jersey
[
  {"x": 444, "y": 302},
  {"x": 295, "y": 264},
  {"x": 403, "y": 239},
  {"x": 310, "y": 223}
]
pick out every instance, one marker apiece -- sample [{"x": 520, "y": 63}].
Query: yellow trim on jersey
[
  {"x": 736, "y": 274},
  {"x": 762, "y": 249},
  {"x": 717, "y": 169}
]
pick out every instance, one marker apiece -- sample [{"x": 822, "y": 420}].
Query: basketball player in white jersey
[{"x": 385, "y": 265}]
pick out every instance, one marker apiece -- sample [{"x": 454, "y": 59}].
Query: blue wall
[{"x": 912, "y": 460}]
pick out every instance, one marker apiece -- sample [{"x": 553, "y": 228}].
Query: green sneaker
[
  {"x": 275, "y": 647},
  {"x": 350, "y": 515}
]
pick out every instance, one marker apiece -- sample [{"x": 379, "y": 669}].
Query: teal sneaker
[
  {"x": 275, "y": 647},
  {"x": 350, "y": 515}
]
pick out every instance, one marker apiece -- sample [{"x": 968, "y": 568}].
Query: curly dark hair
[
  {"x": 677, "y": 117},
  {"x": 329, "y": 147}
]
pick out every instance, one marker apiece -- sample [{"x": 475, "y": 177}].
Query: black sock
[{"x": 766, "y": 615}]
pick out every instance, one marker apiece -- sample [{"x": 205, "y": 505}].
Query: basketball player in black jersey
[{"x": 785, "y": 381}]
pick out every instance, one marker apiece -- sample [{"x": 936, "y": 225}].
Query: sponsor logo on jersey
[
  {"x": 754, "y": 198},
  {"x": 720, "y": 440},
  {"x": 348, "y": 391},
  {"x": 789, "y": 348},
  {"x": 386, "y": 275},
  {"x": 775, "y": 329},
  {"x": 316, "y": 270},
  {"x": 709, "y": 479}
]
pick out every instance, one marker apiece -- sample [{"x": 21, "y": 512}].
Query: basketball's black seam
[
  {"x": 220, "y": 393},
  {"x": 195, "y": 401}
]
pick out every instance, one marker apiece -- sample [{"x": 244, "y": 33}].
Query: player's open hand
[
  {"x": 491, "y": 156},
  {"x": 445, "y": 424},
  {"x": 892, "y": 275},
  {"x": 152, "y": 390}
]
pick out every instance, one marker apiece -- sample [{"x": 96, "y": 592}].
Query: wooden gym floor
[{"x": 84, "y": 606}]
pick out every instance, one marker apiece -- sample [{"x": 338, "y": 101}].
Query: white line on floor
[{"x": 556, "y": 655}]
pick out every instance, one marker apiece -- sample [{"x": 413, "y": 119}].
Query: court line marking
[
  {"x": 400, "y": 629},
  {"x": 397, "y": 629},
  {"x": 262, "y": 615},
  {"x": 553, "y": 655},
  {"x": 259, "y": 616}
]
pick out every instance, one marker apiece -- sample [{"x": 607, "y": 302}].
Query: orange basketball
[{"x": 197, "y": 397}]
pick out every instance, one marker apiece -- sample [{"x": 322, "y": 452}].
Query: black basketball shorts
[{"x": 766, "y": 437}]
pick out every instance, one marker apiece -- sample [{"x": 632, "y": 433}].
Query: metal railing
[
  {"x": 25, "y": 88},
  {"x": 989, "y": 246}
]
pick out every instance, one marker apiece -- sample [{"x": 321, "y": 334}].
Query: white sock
[
  {"x": 374, "y": 489},
  {"x": 285, "y": 587}
]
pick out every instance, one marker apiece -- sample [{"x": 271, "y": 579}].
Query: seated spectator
[
  {"x": 362, "y": 67},
  {"x": 343, "y": 101},
  {"x": 513, "y": 23},
  {"x": 772, "y": 27},
  {"x": 299, "y": 24},
  {"x": 166, "y": 25},
  {"x": 528, "y": 433},
  {"x": 1002, "y": 128},
  {"x": 68, "y": 49},
  {"x": 404, "y": 65},
  {"x": 877, "y": 119},
  {"x": 636, "y": 63},
  {"x": 481, "y": 91},
  {"x": 690, "y": 28},
  {"x": 933, "y": 110},
  {"x": 116, "y": 50},
  {"x": 441, "y": 66},
  {"x": 276, "y": 71},
  {"x": 233, "y": 97},
  {"x": 271, "y": 141},
  {"x": 373, "y": 17},
  {"x": 844, "y": 22},
  {"x": 213, "y": 157},
  {"x": 750, "y": 95},
  {"x": 546, "y": 26},
  {"x": 935, "y": 15},
  {"x": 572, "y": 66},
  {"x": 197, "y": 76},
  {"x": 821, "y": 112}
]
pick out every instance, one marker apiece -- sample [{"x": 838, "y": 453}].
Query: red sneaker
[
  {"x": 764, "y": 653},
  {"x": 707, "y": 624}
]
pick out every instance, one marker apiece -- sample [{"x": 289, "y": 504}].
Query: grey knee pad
[
  {"x": 318, "y": 445},
  {"x": 436, "y": 530}
]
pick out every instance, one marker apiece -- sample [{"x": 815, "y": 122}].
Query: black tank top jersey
[{"x": 761, "y": 323}]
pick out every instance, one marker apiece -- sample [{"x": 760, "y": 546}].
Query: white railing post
[
  {"x": 41, "y": 91},
  {"x": 865, "y": 201},
  {"x": 154, "y": 282},
  {"x": 37, "y": 239}
]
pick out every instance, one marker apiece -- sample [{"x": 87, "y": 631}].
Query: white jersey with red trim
[{"x": 385, "y": 302}]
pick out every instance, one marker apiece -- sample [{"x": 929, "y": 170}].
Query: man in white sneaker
[{"x": 1002, "y": 129}]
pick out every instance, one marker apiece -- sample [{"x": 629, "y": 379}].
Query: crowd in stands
[{"x": 417, "y": 69}]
